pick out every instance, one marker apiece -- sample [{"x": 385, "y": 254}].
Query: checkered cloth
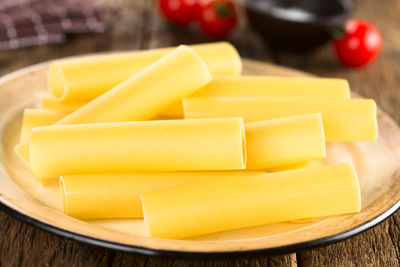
[{"x": 35, "y": 22}]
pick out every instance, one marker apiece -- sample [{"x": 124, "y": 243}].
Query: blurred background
[
  {"x": 297, "y": 33},
  {"x": 322, "y": 37}
]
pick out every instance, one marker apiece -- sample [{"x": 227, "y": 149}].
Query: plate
[{"x": 377, "y": 164}]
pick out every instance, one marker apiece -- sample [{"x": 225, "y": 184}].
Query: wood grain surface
[{"x": 138, "y": 26}]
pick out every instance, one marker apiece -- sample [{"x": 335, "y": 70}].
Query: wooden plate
[{"x": 377, "y": 164}]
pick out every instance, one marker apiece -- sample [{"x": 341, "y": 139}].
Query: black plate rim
[{"x": 198, "y": 254}]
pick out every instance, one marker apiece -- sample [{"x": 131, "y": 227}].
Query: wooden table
[{"x": 138, "y": 26}]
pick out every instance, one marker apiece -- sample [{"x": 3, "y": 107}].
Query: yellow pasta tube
[
  {"x": 117, "y": 195},
  {"x": 267, "y": 86},
  {"x": 51, "y": 103},
  {"x": 38, "y": 117},
  {"x": 84, "y": 78},
  {"x": 344, "y": 120},
  {"x": 284, "y": 141},
  {"x": 174, "y": 145},
  {"x": 143, "y": 96},
  {"x": 249, "y": 201}
]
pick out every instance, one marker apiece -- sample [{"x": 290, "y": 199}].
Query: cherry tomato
[
  {"x": 360, "y": 44},
  {"x": 217, "y": 17},
  {"x": 181, "y": 12},
  {"x": 199, "y": 7}
]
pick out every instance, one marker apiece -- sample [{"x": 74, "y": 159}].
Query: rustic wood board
[{"x": 377, "y": 164}]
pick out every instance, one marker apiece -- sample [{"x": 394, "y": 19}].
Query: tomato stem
[
  {"x": 337, "y": 31},
  {"x": 222, "y": 9}
]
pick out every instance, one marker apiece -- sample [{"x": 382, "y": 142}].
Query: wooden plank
[
  {"x": 122, "y": 259},
  {"x": 22, "y": 244},
  {"x": 376, "y": 247}
]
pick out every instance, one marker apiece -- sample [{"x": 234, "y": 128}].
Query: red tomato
[
  {"x": 217, "y": 17},
  {"x": 360, "y": 44},
  {"x": 179, "y": 11},
  {"x": 199, "y": 7}
]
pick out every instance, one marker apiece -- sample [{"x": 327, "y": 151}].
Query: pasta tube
[
  {"x": 174, "y": 145},
  {"x": 344, "y": 120},
  {"x": 249, "y": 201},
  {"x": 143, "y": 96},
  {"x": 285, "y": 141}
]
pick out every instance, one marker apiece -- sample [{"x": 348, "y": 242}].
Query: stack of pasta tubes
[{"x": 178, "y": 136}]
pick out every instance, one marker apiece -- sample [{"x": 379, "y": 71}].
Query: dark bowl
[{"x": 296, "y": 25}]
